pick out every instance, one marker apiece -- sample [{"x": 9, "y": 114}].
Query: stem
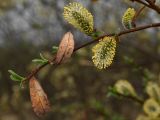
[
  {"x": 155, "y": 7},
  {"x": 137, "y": 14},
  {"x": 35, "y": 71},
  {"x": 139, "y": 28},
  {"x": 140, "y": 101},
  {"x": 141, "y": 2},
  {"x": 150, "y": 5}
]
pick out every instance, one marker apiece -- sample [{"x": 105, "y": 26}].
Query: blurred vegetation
[{"x": 76, "y": 89}]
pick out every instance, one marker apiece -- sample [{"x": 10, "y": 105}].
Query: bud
[
  {"x": 125, "y": 88},
  {"x": 65, "y": 48},
  {"x": 40, "y": 102}
]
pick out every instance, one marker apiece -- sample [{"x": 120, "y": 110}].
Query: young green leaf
[
  {"x": 21, "y": 84},
  {"x": 54, "y": 49},
  {"x": 40, "y": 61},
  {"x": 14, "y": 76},
  {"x": 112, "y": 92},
  {"x": 96, "y": 34},
  {"x": 42, "y": 57}
]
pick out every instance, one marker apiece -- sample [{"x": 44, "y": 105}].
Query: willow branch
[
  {"x": 138, "y": 14},
  {"x": 121, "y": 33},
  {"x": 140, "y": 101},
  {"x": 152, "y": 6},
  {"x": 139, "y": 28},
  {"x": 35, "y": 71},
  {"x": 141, "y": 2}
]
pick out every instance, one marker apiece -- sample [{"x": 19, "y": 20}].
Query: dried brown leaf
[
  {"x": 40, "y": 102},
  {"x": 66, "y": 48}
]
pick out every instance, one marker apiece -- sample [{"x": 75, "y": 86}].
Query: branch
[
  {"x": 140, "y": 101},
  {"x": 141, "y": 2},
  {"x": 35, "y": 71},
  {"x": 137, "y": 14},
  {"x": 121, "y": 33},
  {"x": 139, "y": 28},
  {"x": 152, "y": 5}
]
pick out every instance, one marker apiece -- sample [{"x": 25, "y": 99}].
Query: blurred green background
[{"x": 76, "y": 89}]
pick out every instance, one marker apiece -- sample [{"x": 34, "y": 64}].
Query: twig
[
  {"x": 121, "y": 33},
  {"x": 137, "y": 14},
  {"x": 132, "y": 98},
  {"x": 139, "y": 28},
  {"x": 141, "y": 2},
  {"x": 154, "y": 7},
  {"x": 35, "y": 71}
]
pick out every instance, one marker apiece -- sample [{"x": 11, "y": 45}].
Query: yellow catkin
[
  {"x": 153, "y": 90},
  {"x": 125, "y": 88},
  {"x": 151, "y": 108},
  {"x": 128, "y": 17},
  {"x": 79, "y": 17},
  {"x": 104, "y": 52}
]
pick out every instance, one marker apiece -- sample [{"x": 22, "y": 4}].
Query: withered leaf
[
  {"x": 66, "y": 48},
  {"x": 40, "y": 102}
]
